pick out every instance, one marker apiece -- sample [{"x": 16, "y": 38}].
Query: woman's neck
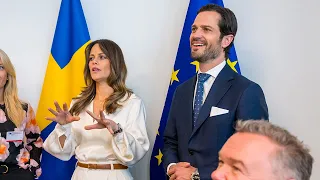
[{"x": 103, "y": 91}]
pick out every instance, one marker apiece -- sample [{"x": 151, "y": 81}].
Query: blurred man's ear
[{"x": 227, "y": 40}]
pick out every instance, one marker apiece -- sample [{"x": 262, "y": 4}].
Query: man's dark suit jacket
[{"x": 199, "y": 145}]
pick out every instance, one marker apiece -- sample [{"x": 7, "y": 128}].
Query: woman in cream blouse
[{"x": 105, "y": 126}]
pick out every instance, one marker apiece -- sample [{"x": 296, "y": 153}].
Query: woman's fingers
[
  {"x": 99, "y": 126},
  {"x": 93, "y": 115},
  {"x": 53, "y": 111},
  {"x": 65, "y": 107},
  {"x": 51, "y": 119},
  {"x": 94, "y": 126},
  {"x": 102, "y": 115},
  {"x": 100, "y": 120},
  {"x": 110, "y": 129},
  {"x": 75, "y": 118},
  {"x": 58, "y": 108}
]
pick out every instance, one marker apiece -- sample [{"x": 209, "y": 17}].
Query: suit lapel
[
  {"x": 218, "y": 89},
  {"x": 189, "y": 93}
]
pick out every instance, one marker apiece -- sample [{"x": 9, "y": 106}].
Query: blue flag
[
  {"x": 63, "y": 79},
  {"x": 184, "y": 68}
]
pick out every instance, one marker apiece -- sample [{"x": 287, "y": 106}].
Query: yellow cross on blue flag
[
  {"x": 63, "y": 80},
  {"x": 184, "y": 68}
]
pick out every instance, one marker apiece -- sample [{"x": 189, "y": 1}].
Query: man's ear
[{"x": 227, "y": 40}]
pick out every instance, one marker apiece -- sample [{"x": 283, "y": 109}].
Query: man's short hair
[
  {"x": 292, "y": 159},
  {"x": 227, "y": 24}
]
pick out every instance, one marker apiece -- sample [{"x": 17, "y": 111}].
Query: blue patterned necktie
[{"x": 198, "y": 100}]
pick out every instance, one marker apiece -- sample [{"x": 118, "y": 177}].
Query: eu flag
[
  {"x": 63, "y": 80},
  {"x": 184, "y": 68}
]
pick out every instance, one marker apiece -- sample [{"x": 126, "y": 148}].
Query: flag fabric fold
[
  {"x": 184, "y": 68},
  {"x": 63, "y": 79}
]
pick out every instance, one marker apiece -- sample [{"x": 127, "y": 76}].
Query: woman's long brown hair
[{"x": 116, "y": 79}]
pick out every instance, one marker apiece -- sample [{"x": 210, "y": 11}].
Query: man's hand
[{"x": 181, "y": 171}]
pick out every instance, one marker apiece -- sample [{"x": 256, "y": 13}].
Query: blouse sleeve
[
  {"x": 34, "y": 142},
  {"x": 132, "y": 143},
  {"x": 52, "y": 144}
]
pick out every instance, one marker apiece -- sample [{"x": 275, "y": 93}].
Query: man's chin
[
  {"x": 196, "y": 56},
  {"x": 201, "y": 59}
]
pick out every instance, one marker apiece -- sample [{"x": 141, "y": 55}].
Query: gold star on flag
[
  {"x": 159, "y": 157},
  {"x": 196, "y": 63},
  {"x": 232, "y": 64},
  {"x": 174, "y": 76}
]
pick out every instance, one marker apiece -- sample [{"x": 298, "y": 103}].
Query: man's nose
[{"x": 218, "y": 174}]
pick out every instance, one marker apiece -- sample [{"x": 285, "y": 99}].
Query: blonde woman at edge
[
  {"x": 105, "y": 126},
  {"x": 20, "y": 141}
]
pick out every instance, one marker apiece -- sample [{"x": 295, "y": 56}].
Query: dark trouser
[{"x": 15, "y": 173}]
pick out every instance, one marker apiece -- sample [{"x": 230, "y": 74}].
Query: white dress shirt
[{"x": 207, "y": 85}]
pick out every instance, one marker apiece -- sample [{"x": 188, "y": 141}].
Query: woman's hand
[
  {"x": 102, "y": 123},
  {"x": 62, "y": 116}
]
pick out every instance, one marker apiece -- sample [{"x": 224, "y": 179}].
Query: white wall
[{"x": 276, "y": 44}]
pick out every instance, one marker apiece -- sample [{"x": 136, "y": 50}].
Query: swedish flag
[
  {"x": 64, "y": 78},
  {"x": 184, "y": 68}
]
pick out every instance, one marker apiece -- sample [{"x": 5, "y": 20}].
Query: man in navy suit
[{"x": 205, "y": 108}]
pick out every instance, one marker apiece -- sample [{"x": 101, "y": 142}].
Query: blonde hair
[
  {"x": 12, "y": 103},
  {"x": 292, "y": 159}
]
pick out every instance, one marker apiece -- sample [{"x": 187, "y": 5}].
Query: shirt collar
[{"x": 216, "y": 70}]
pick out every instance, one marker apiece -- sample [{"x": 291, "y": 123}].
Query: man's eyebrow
[
  {"x": 235, "y": 161},
  {"x": 206, "y": 26}
]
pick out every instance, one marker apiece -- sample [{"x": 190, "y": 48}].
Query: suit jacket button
[{"x": 190, "y": 152}]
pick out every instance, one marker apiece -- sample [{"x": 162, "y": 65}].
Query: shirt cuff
[
  {"x": 171, "y": 164},
  {"x": 119, "y": 137},
  {"x": 63, "y": 129}
]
